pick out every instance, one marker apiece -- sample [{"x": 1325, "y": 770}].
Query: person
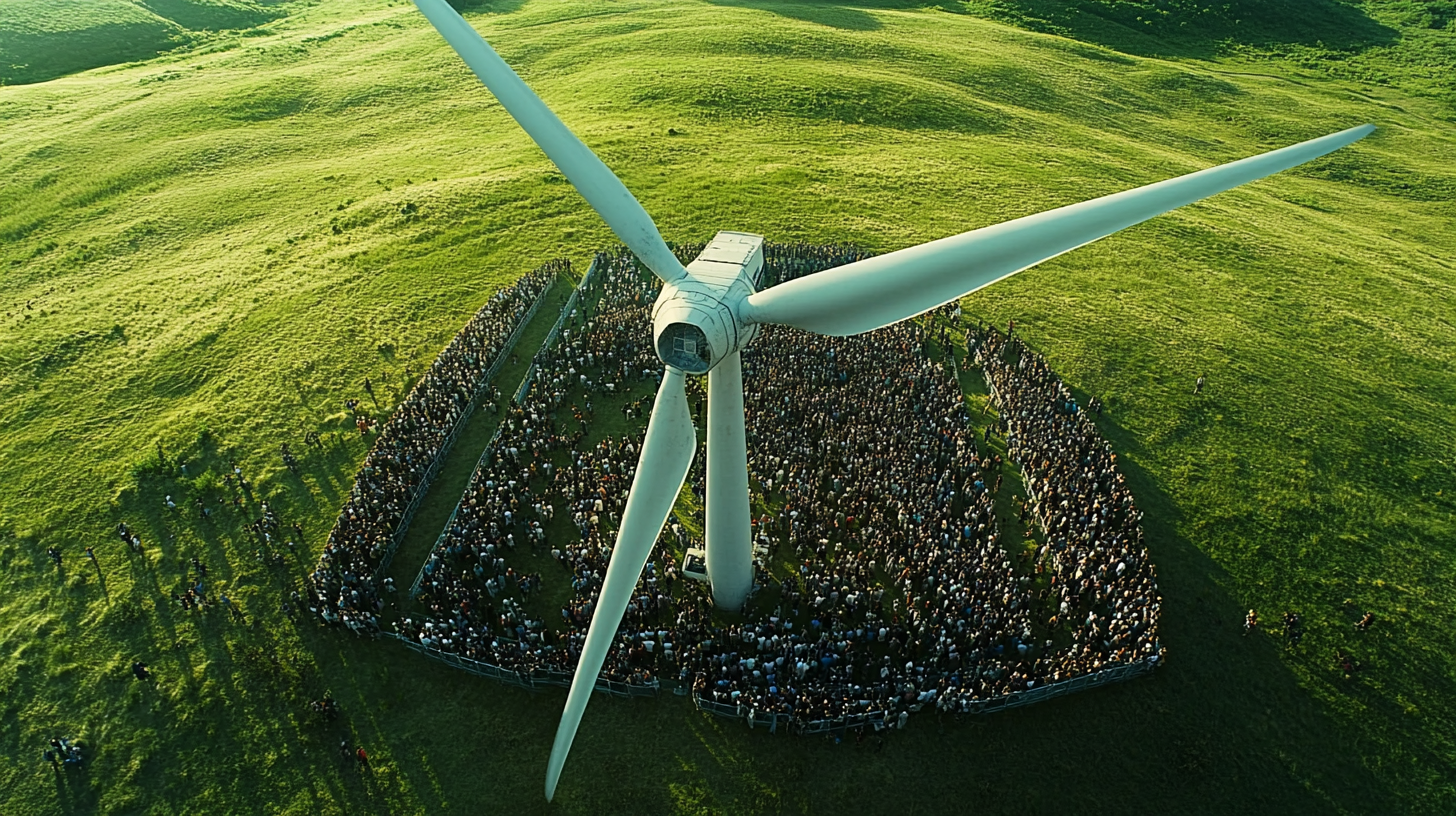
[
  {"x": 1293, "y": 629},
  {"x": 1347, "y": 663},
  {"x": 1198, "y": 384},
  {"x": 1364, "y": 623},
  {"x": 1251, "y": 622},
  {"x": 363, "y": 759},
  {"x": 139, "y": 669}
]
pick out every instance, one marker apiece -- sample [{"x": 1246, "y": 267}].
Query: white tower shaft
[{"x": 726, "y": 523}]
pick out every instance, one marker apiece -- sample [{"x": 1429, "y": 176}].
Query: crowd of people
[
  {"x": 1102, "y": 584},
  {"x": 866, "y": 466},
  {"x": 472, "y": 591},
  {"x": 342, "y": 588}
]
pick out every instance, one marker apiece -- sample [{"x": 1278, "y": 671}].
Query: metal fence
[
  {"x": 520, "y": 395},
  {"x": 1116, "y": 674},
  {"x": 482, "y": 386},
  {"x": 777, "y": 721},
  {"x": 532, "y": 680}
]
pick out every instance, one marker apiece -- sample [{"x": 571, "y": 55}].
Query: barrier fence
[
  {"x": 539, "y": 678},
  {"x": 520, "y": 395},
  {"x": 776, "y": 721},
  {"x": 481, "y": 388}
]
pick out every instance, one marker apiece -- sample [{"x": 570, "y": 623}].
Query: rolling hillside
[
  {"x": 212, "y": 248},
  {"x": 44, "y": 39}
]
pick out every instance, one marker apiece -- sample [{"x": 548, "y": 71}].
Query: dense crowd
[
  {"x": 341, "y": 587},
  {"x": 904, "y": 594},
  {"x": 1102, "y": 581},
  {"x": 470, "y": 587}
]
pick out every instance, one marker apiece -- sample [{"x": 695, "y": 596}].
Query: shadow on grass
[
  {"x": 205, "y": 16},
  {"x": 847, "y": 15},
  {"x": 1226, "y": 710},
  {"x": 30, "y": 56},
  {"x": 1225, "y": 717},
  {"x": 50, "y": 45},
  {"x": 1168, "y": 28},
  {"x": 487, "y": 6},
  {"x": 1190, "y": 28}
]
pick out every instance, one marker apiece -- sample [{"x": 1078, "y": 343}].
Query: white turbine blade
[
  {"x": 726, "y": 525},
  {"x": 885, "y": 289},
  {"x": 601, "y": 189},
  {"x": 667, "y": 451}
]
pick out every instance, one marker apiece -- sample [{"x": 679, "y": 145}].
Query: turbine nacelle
[{"x": 696, "y": 321}]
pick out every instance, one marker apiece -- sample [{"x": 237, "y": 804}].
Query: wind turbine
[{"x": 709, "y": 311}]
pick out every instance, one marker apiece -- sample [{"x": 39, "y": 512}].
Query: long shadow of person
[
  {"x": 101, "y": 578},
  {"x": 64, "y": 796}
]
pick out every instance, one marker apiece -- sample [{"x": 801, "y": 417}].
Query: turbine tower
[{"x": 710, "y": 310}]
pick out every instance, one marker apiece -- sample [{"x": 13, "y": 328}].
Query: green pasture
[{"x": 210, "y": 238}]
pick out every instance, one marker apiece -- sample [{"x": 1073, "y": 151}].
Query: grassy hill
[
  {"x": 213, "y": 248},
  {"x": 44, "y": 39}
]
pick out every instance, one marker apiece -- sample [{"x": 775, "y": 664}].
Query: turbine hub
[{"x": 695, "y": 321}]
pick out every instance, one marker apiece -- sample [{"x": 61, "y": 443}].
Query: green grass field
[
  {"x": 44, "y": 39},
  {"x": 212, "y": 248}
]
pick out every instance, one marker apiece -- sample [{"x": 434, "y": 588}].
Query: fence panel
[
  {"x": 402, "y": 527},
  {"x": 533, "y": 680},
  {"x": 878, "y": 720},
  {"x": 520, "y": 395}
]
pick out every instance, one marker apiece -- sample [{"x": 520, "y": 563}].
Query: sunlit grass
[{"x": 214, "y": 248}]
